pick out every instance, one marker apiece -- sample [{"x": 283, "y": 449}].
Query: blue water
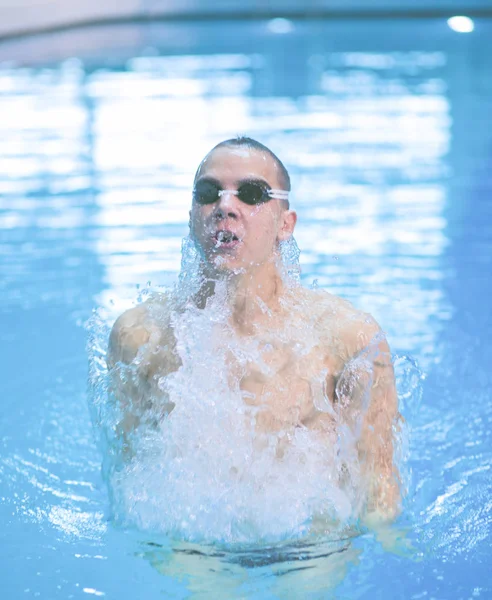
[{"x": 385, "y": 128}]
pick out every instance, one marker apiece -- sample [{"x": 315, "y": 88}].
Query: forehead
[{"x": 231, "y": 164}]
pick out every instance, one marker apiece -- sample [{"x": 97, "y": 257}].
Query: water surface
[{"x": 384, "y": 128}]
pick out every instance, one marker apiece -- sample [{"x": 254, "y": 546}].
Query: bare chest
[{"x": 286, "y": 383}]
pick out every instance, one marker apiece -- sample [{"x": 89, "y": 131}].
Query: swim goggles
[{"x": 249, "y": 192}]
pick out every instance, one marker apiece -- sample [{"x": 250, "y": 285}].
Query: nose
[{"x": 226, "y": 205}]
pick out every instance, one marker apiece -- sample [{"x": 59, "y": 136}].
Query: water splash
[
  {"x": 409, "y": 378},
  {"x": 191, "y": 275},
  {"x": 183, "y": 452},
  {"x": 289, "y": 252}
]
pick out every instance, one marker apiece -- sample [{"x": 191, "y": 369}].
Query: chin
[{"x": 226, "y": 265}]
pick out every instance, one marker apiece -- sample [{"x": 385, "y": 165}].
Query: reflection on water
[
  {"x": 106, "y": 158},
  {"x": 315, "y": 568},
  {"x": 95, "y": 179}
]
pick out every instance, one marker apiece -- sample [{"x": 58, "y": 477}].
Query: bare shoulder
[
  {"x": 350, "y": 328},
  {"x": 137, "y": 326}
]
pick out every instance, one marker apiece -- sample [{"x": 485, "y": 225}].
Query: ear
[{"x": 287, "y": 225}]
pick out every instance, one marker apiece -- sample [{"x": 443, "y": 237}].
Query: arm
[
  {"x": 127, "y": 336},
  {"x": 128, "y": 382},
  {"x": 136, "y": 358},
  {"x": 369, "y": 393},
  {"x": 377, "y": 441}
]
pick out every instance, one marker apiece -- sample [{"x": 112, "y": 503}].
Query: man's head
[{"x": 240, "y": 207}]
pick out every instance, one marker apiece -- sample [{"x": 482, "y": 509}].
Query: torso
[
  {"x": 247, "y": 402},
  {"x": 286, "y": 373},
  {"x": 288, "y": 381}
]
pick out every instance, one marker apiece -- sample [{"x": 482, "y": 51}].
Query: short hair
[{"x": 242, "y": 141}]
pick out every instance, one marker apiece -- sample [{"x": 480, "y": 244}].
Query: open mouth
[{"x": 226, "y": 238}]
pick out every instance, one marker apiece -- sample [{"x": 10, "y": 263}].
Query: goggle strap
[
  {"x": 275, "y": 194},
  {"x": 279, "y": 194}
]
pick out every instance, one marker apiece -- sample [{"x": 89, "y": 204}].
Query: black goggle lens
[
  {"x": 206, "y": 192},
  {"x": 252, "y": 193}
]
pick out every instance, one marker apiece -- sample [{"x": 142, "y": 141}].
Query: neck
[{"x": 250, "y": 295}]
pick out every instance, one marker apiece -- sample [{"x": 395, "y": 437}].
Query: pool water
[{"x": 384, "y": 127}]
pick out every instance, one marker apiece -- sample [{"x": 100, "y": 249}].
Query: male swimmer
[{"x": 305, "y": 339}]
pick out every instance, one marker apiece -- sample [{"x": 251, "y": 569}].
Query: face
[{"x": 232, "y": 234}]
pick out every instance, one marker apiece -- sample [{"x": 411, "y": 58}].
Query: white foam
[{"x": 203, "y": 472}]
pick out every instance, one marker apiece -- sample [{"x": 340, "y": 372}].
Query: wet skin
[{"x": 302, "y": 339}]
